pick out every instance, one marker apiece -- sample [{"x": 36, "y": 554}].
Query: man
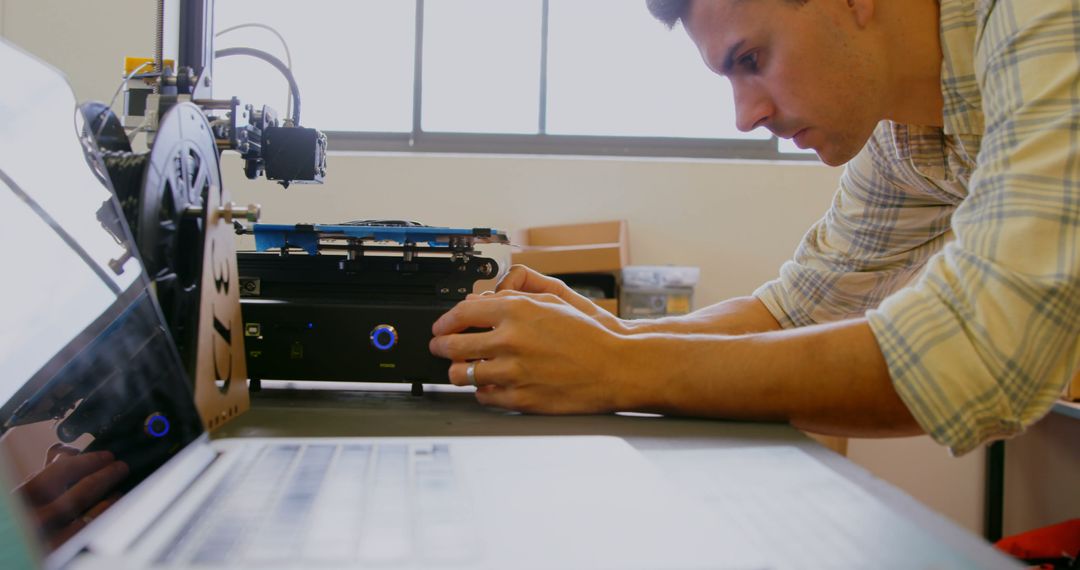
[{"x": 940, "y": 294}]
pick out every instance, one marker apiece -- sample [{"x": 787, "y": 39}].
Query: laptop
[{"x": 106, "y": 464}]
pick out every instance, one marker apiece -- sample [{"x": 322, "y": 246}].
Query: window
[
  {"x": 479, "y": 77},
  {"x": 532, "y": 76}
]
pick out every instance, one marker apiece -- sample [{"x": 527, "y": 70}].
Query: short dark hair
[{"x": 670, "y": 12}]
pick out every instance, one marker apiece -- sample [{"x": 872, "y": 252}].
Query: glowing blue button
[
  {"x": 156, "y": 425},
  {"x": 383, "y": 337}
]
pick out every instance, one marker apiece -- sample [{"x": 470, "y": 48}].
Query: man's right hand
[
  {"x": 523, "y": 279},
  {"x": 71, "y": 485}
]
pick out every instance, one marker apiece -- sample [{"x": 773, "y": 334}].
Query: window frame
[{"x": 543, "y": 143}]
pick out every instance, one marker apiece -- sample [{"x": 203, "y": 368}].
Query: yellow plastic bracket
[{"x": 133, "y": 63}]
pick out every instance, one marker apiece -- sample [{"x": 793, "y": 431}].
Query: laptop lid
[{"x": 93, "y": 396}]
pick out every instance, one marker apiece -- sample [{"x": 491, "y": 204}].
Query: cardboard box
[
  {"x": 578, "y": 253},
  {"x": 598, "y": 247},
  {"x": 1072, "y": 389}
]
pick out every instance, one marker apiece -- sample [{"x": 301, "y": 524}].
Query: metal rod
[
  {"x": 159, "y": 44},
  {"x": 213, "y": 103}
]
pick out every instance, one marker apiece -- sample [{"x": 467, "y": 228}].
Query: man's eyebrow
[{"x": 729, "y": 59}]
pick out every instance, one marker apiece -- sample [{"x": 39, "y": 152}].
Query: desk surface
[
  {"x": 322, "y": 410},
  {"x": 1071, "y": 409}
]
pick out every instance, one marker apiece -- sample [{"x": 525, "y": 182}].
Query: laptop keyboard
[{"x": 342, "y": 504}]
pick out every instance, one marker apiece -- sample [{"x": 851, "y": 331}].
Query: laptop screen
[{"x": 93, "y": 397}]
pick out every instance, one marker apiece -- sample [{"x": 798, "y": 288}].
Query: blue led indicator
[
  {"x": 157, "y": 425},
  {"x": 384, "y": 337},
  {"x": 311, "y": 325}
]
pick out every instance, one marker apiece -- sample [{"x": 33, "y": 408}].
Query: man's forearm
[
  {"x": 740, "y": 315},
  {"x": 827, "y": 379}
]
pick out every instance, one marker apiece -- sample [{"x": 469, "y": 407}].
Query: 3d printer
[
  {"x": 311, "y": 292},
  {"x": 165, "y": 192}
]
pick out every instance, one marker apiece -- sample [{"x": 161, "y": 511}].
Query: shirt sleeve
[
  {"x": 876, "y": 236},
  {"x": 985, "y": 340}
]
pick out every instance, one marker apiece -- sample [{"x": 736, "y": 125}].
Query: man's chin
[
  {"x": 831, "y": 161},
  {"x": 833, "y": 156}
]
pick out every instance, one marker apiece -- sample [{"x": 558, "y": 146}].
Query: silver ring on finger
[{"x": 470, "y": 372}]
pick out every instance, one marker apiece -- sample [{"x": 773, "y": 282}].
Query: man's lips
[{"x": 799, "y": 137}]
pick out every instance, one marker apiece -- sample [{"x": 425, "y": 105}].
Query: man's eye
[{"x": 749, "y": 61}]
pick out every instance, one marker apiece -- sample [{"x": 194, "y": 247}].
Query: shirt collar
[{"x": 924, "y": 147}]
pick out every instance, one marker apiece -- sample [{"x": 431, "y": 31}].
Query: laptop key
[{"x": 326, "y": 504}]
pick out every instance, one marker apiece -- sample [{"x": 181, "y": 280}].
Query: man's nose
[{"x": 753, "y": 108}]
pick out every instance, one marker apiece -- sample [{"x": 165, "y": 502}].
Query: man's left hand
[{"x": 537, "y": 354}]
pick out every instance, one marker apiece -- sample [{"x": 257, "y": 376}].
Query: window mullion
[
  {"x": 544, "y": 35},
  {"x": 418, "y": 72}
]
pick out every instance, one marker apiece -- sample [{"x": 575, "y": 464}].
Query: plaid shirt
[{"x": 960, "y": 244}]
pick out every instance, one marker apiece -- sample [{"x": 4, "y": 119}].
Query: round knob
[
  {"x": 384, "y": 337},
  {"x": 156, "y": 425}
]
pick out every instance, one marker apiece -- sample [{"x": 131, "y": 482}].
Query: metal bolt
[{"x": 251, "y": 213}]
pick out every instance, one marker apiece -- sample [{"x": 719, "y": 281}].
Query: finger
[
  {"x": 458, "y": 374},
  {"x": 58, "y": 449},
  {"x": 526, "y": 280},
  {"x": 85, "y": 494},
  {"x": 463, "y": 346},
  {"x": 514, "y": 278},
  {"x": 542, "y": 297},
  {"x": 488, "y": 388},
  {"x": 490, "y": 372},
  {"x": 479, "y": 313},
  {"x": 62, "y": 472},
  {"x": 498, "y": 397}
]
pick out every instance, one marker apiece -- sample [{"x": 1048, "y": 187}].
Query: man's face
[{"x": 806, "y": 72}]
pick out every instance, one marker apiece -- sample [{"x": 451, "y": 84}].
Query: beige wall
[
  {"x": 737, "y": 221},
  {"x": 702, "y": 213}
]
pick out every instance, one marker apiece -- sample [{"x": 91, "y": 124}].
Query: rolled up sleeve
[{"x": 981, "y": 345}]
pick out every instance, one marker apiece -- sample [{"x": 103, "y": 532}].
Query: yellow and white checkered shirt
[{"x": 965, "y": 238}]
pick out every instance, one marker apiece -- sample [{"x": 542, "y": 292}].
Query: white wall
[{"x": 737, "y": 221}]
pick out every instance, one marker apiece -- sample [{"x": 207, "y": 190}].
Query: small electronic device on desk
[{"x": 355, "y": 302}]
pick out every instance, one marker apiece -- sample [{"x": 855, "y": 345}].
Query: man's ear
[{"x": 862, "y": 11}]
